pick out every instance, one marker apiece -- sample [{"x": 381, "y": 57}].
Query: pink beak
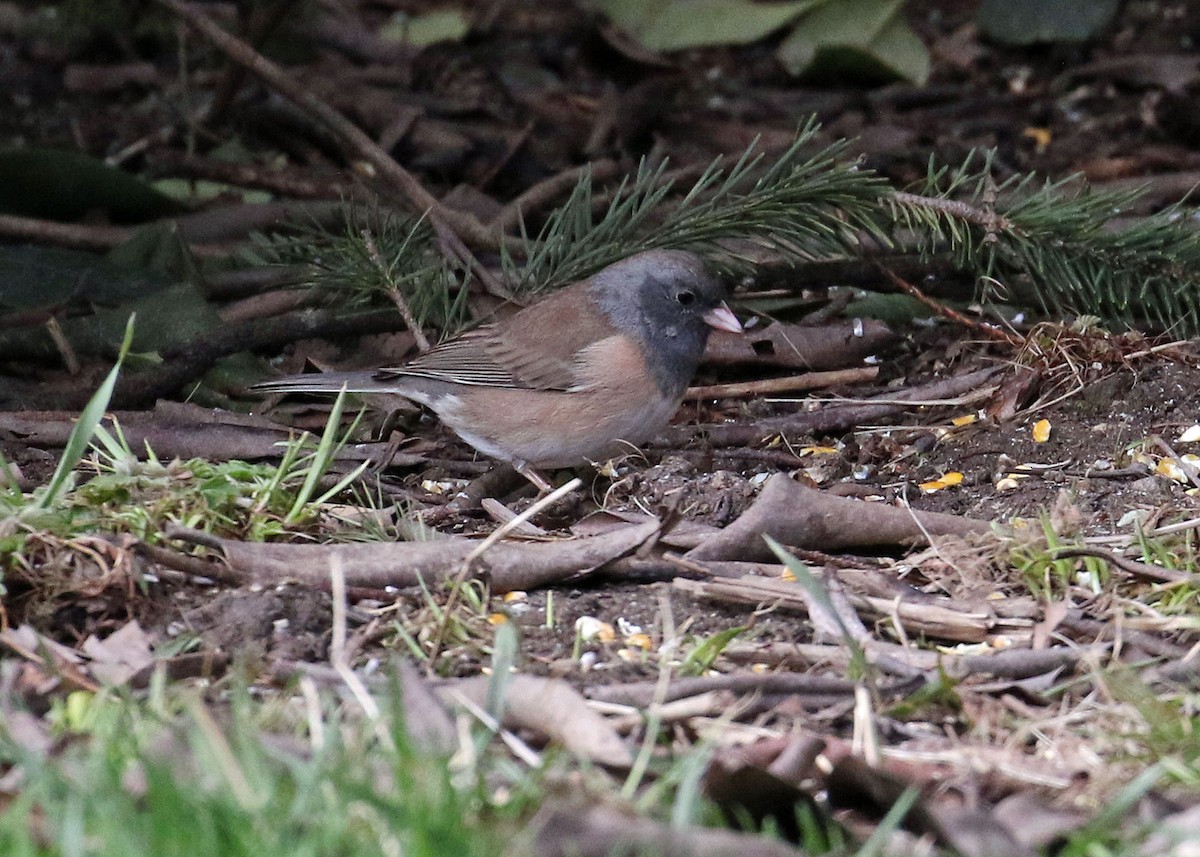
[{"x": 722, "y": 318}]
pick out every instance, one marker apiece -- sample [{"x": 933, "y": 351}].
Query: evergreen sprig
[
  {"x": 375, "y": 256},
  {"x": 806, "y": 204},
  {"x": 1056, "y": 246},
  {"x": 1060, "y": 246}
]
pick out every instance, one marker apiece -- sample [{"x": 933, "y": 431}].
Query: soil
[{"x": 1054, "y": 110}]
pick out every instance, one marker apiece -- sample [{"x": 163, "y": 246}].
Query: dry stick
[
  {"x": 393, "y": 291},
  {"x": 988, "y": 330},
  {"x": 643, "y": 693},
  {"x": 261, "y": 24},
  {"x": 389, "y": 566},
  {"x": 106, "y": 237},
  {"x": 514, "y": 145},
  {"x": 69, "y": 357},
  {"x": 792, "y": 383},
  {"x": 337, "y": 654},
  {"x": 277, "y": 181},
  {"x": 890, "y": 658},
  {"x": 192, "y": 566},
  {"x": 350, "y": 134},
  {"x": 1077, "y": 623},
  {"x": 1164, "y": 530},
  {"x": 825, "y": 420},
  {"x": 944, "y": 621},
  {"x": 64, "y": 234},
  {"x": 453, "y": 247},
  {"x": 1149, "y": 571},
  {"x": 518, "y": 747},
  {"x": 186, "y": 361}
]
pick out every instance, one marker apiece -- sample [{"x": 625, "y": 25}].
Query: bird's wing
[
  {"x": 485, "y": 357},
  {"x": 536, "y": 349}
]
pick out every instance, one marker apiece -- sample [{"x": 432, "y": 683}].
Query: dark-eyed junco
[{"x": 569, "y": 378}]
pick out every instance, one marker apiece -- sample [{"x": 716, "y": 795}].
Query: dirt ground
[{"x": 1108, "y": 110}]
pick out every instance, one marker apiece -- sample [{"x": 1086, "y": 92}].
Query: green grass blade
[{"x": 85, "y": 428}]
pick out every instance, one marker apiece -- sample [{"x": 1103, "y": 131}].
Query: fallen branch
[
  {"x": 1012, "y": 664},
  {"x": 388, "y": 566},
  {"x": 804, "y": 517},
  {"x": 82, "y": 236},
  {"x": 644, "y": 693},
  {"x": 1145, "y": 570},
  {"x": 548, "y": 189}
]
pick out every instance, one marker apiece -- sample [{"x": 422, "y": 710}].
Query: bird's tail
[{"x": 322, "y": 382}]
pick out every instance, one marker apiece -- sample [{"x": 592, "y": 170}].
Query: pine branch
[
  {"x": 378, "y": 256},
  {"x": 1056, "y": 246},
  {"x": 806, "y": 205},
  {"x": 1047, "y": 245}
]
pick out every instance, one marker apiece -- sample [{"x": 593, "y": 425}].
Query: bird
[{"x": 598, "y": 365}]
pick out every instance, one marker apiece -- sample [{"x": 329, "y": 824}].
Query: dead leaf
[{"x": 120, "y": 655}]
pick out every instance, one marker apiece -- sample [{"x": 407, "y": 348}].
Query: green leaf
[
  {"x": 441, "y": 25},
  {"x": 33, "y": 277},
  {"x": 1027, "y": 22},
  {"x": 201, "y": 190},
  {"x": 672, "y": 25},
  {"x": 891, "y": 309},
  {"x": 701, "y": 658},
  {"x": 867, "y": 40},
  {"x": 62, "y": 185}
]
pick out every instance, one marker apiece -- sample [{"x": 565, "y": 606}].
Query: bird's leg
[
  {"x": 531, "y": 473},
  {"x": 389, "y": 432}
]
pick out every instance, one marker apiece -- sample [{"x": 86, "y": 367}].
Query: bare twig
[
  {"x": 790, "y": 384},
  {"x": 1145, "y": 570},
  {"x": 989, "y": 220},
  {"x": 467, "y": 568},
  {"x": 965, "y": 387},
  {"x": 988, "y": 330},
  {"x": 452, "y": 247}
]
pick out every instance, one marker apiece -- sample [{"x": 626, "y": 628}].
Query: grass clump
[{"x": 182, "y": 777}]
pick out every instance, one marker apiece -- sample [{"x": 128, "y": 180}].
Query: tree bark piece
[{"x": 800, "y": 346}]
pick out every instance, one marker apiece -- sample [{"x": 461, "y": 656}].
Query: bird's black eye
[{"x": 685, "y": 298}]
